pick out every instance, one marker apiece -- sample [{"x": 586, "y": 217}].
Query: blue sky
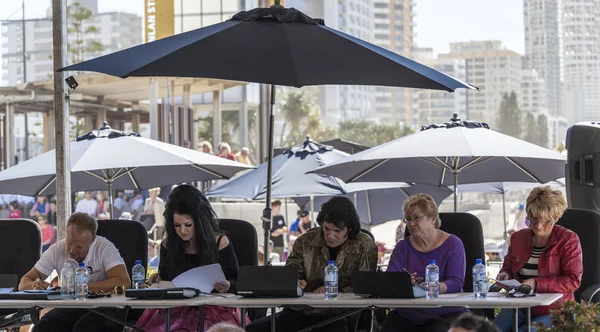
[{"x": 438, "y": 22}]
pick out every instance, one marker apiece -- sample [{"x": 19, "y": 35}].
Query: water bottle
[
  {"x": 479, "y": 280},
  {"x": 81, "y": 282},
  {"x": 331, "y": 281},
  {"x": 432, "y": 280},
  {"x": 138, "y": 276},
  {"x": 67, "y": 282}
]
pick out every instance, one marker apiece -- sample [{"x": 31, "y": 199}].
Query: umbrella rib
[
  {"x": 361, "y": 174},
  {"x": 95, "y": 175},
  {"x": 47, "y": 185},
  {"x": 132, "y": 178},
  {"x": 523, "y": 169},
  {"x": 474, "y": 162},
  {"x": 209, "y": 171}
]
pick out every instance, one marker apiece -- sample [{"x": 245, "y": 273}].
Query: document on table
[
  {"x": 202, "y": 278},
  {"x": 510, "y": 283}
]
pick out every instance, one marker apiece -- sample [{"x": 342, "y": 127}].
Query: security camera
[{"x": 71, "y": 82}]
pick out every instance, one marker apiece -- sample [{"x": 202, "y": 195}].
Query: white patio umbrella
[
  {"x": 445, "y": 154},
  {"x": 112, "y": 160}
]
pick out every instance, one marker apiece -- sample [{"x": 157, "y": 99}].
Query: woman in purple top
[{"x": 413, "y": 253}]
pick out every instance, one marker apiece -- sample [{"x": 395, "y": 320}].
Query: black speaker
[{"x": 582, "y": 176}]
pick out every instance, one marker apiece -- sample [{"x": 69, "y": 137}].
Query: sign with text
[{"x": 159, "y": 19}]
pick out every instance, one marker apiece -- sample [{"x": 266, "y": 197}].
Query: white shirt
[
  {"x": 102, "y": 256},
  {"x": 87, "y": 206}
]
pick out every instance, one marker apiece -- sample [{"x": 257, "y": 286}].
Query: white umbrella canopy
[
  {"x": 122, "y": 161},
  {"x": 444, "y": 155}
]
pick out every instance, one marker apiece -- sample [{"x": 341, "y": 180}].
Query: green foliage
[
  {"x": 509, "y": 115},
  {"x": 542, "y": 131},
  {"x": 574, "y": 317},
  {"x": 79, "y": 42},
  {"x": 530, "y": 129},
  {"x": 370, "y": 134}
]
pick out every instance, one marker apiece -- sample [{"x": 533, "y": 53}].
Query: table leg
[
  {"x": 168, "y": 320},
  {"x": 273, "y": 329},
  {"x": 372, "y": 320},
  {"x": 243, "y": 317},
  {"x": 516, "y": 320},
  {"x": 528, "y": 319},
  {"x": 201, "y": 325}
]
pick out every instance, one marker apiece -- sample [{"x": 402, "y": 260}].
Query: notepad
[{"x": 510, "y": 283}]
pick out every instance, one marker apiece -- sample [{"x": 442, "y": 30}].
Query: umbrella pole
[
  {"x": 110, "y": 199},
  {"x": 369, "y": 210},
  {"x": 267, "y": 217},
  {"x": 312, "y": 211},
  {"x": 455, "y": 174},
  {"x": 505, "y": 222}
]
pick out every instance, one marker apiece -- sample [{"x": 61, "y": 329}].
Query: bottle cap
[
  {"x": 331, "y": 263},
  {"x": 432, "y": 262},
  {"x": 478, "y": 261},
  {"x": 81, "y": 264},
  {"x": 138, "y": 262}
]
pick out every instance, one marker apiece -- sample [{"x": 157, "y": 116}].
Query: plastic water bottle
[
  {"x": 67, "y": 282},
  {"x": 138, "y": 276},
  {"x": 81, "y": 282},
  {"x": 432, "y": 280},
  {"x": 479, "y": 280},
  {"x": 331, "y": 281}
]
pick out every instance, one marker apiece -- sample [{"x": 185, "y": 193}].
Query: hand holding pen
[
  {"x": 39, "y": 283},
  {"x": 413, "y": 277}
]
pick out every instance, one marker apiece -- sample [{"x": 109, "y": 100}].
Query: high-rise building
[
  {"x": 394, "y": 26},
  {"x": 492, "y": 68},
  {"x": 543, "y": 48},
  {"x": 354, "y": 17},
  {"x": 115, "y": 31},
  {"x": 581, "y": 62},
  {"x": 436, "y": 106},
  {"x": 532, "y": 97}
]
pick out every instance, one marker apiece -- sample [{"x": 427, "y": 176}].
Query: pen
[{"x": 40, "y": 276}]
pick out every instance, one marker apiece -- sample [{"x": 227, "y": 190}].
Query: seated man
[
  {"x": 100, "y": 257},
  {"x": 339, "y": 239}
]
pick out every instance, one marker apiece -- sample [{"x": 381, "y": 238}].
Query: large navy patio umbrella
[
  {"x": 275, "y": 46},
  {"x": 338, "y": 144}
]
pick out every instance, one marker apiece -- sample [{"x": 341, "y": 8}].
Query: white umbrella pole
[
  {"x": 504, "y": 221},
  {"x": 110, "y": 200},
  {"x": 368, "y": 209},
  {"x": 455, "y": 174}
]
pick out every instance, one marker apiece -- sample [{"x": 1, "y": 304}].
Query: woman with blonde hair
[
  {"x": 412, "y": 254},
  {"x": 153, "y": 210},
  {"x": 206, "y": 147},
  {"x": 545, "y": 258}
]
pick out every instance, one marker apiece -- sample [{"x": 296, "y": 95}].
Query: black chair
[
  {"x": 586, "y": 224},
  {"x": 242, "y": 235},
  {"x": 468, "y": 229},
  {"x": 21, "y": 248},
  {"x": 368, "y": 233},
  {"x": 129, "y": 237}
]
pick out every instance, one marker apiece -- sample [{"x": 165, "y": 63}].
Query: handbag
[{"x": 188, "y": 318}]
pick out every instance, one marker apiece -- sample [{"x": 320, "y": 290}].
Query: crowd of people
[
  {"x": 545, "y": 258},
  {"x": 224, "y": 151}
]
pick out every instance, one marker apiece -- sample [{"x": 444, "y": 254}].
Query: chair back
[
  {"x": 468, "y": 229},
  {"x": 21, "y": 246},
  {"x": 368, "y": 233},
  {"x": 129, "y": 237},
  {"x": 242, "y": 236},
  {"x": 586, "y": 224}
]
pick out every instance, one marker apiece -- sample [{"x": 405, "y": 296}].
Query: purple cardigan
[{"x": 449, "y": 257}]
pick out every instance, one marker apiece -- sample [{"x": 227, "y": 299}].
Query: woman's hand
[
  {"x": 155, "y": 278},
  {"x": 302, "y": 283},
  {"x": 320, "y": 290},
  {"x": 530, "y": 282},
  {"x": 222, "y": 286},
  {"x": 502, "y": 276}
]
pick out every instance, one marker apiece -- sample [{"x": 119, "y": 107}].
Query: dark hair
[
  {"x": 340, "y": 211},
  {"x": 188, "y": 200},
  {"x": 474, "y": 323},
  {"x": 15, "y": 205},
  {"x": 275, "y": 203}
]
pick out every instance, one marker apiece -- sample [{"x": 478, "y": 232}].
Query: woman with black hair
[
  {"x": 193, "y": 239},
  {"x": 338, "y": 239}
]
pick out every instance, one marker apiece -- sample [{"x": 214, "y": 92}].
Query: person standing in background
[{"x": 279, "y": 228}]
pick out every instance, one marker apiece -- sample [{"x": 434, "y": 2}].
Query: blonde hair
[
  {"x": 83, "y": 222},
  {"x": 545, "y": 204},
  {"x": 426, "y": 204},
  {"x": 207, "y": 144},
  {"x": 156, "y": 190}
]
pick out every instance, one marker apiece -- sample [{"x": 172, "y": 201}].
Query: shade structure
[
  {"x": 338, "y": 144},
  {"x": 456, "y": 152},
  {"x": 378, "y": 205},
  {"x": 123, "y": 161},
  {"x": 280, "y": 47}
]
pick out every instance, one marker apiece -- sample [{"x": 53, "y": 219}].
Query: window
[
  {"x": 382, "y": 26},
  {"x": 381, "y": 5},
  {"x": 382, "y": 16}
]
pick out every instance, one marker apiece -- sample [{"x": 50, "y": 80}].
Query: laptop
[
  {"x": 35, "y": 295},
  {"x": 162, "y": 293},
  {"x": 268, "y": 281},
  {"x": 385, "y": 285}
]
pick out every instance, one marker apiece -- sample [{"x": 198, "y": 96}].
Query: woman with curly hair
[
  {"x": 193, "y": 239},
  {"x": 338, "y": 239}
]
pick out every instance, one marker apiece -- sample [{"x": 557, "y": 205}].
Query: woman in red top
[
  {"x": 547, "y": 257},
  {"x": 47, "y": 232},
  {"x": 15, "y": 211}
]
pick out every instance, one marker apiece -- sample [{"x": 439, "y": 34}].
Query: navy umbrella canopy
[{"x": 275, "y": 46}]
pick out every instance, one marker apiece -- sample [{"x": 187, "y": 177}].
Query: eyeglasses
[
  {"x": 543, "y": 222},
  {"x": 416, "y": 219}
]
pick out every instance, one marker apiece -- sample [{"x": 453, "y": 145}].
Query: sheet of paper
[
  {"x": 163, "y": 284},
  {"x": 202, "y": 278},
  {"x": 511, "y": 283}
]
